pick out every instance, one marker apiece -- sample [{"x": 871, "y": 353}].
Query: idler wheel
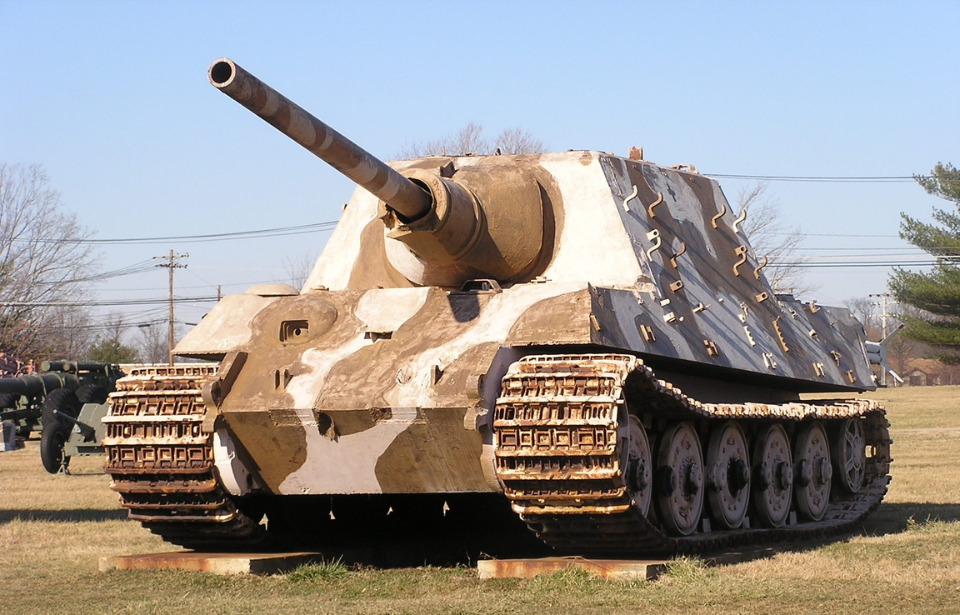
[
  {"x": 773, "y": 476},
  {"x": 850, "y": 455},
  {"x": 680, "y": 458},
  {"x": 636, "y": 464},
  {"x": 814, "y": 472},
  {"x": 729, "y": 475}
]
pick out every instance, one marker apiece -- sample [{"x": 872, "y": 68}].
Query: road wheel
[
  {"x": 92, "y": 394},
  {"x": 728, "y": 475},
  {"x": 636, "y": 464},
  {"x": 811, "y": 460},
  {"x": 680, "y": 479},
  {"x": 772, "y": 483},
  {"x": 849, "y": 454},
  {"x": 62, "y": 400},
  {"x": 51, "y": 448},
  {"x": 8, "y": 401}
]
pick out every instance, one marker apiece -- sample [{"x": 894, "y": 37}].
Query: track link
[
  {"x": 556, "y": 429},
  {"x": 161, "y": 461}
]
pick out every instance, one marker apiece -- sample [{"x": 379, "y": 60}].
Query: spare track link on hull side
[
  {"x": 161, "y": 462},
  {"x": 556, "y": 433}
]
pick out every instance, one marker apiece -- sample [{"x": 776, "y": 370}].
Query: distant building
[{"x": 930, "y": 372}]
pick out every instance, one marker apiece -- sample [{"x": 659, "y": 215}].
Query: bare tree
[
  {"x": 470, "y": 140},
  {"x": 900, "y": 351},
  {"x": 298, "y": 268},
  {"x": 75, "y": 337},
  {"x": 863, "y": 309},
  {"x": 419, "y": 149},
  {"x": 516, "y": 141},
  {"x": 109, "y": 346},
  {"x": 151, "y": 343},
  {"x": 44, "y": 266},
  {"x": 770, "y": 237}
]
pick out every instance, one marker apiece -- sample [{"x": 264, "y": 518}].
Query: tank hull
[{"x": 558, "y": 448}]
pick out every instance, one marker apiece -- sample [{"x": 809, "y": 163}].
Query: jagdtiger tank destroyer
[{"x": 583, "y": 341}]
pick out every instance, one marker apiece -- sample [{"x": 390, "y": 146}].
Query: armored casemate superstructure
[{"x": 588, "y": 338}]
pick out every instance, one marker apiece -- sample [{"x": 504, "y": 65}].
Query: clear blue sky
[{"x": 112, "y": 99}]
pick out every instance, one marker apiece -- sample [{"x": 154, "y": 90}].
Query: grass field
[{"x": 906, "y": 558}]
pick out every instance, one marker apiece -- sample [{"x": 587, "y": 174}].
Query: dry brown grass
[{"x": 53, "y": 529}]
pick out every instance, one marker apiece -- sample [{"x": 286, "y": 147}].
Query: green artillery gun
[
  {"x": 85, "y": 435},
  {"x": 53, "y": 396}
]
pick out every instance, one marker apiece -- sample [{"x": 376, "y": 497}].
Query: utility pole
[
  {"x": 171, "y": 264},
  {"x": 883, "y": 327}
]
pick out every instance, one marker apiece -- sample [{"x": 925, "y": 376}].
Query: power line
[
  {"x": 858, "y": 265},
  {"x": 171, "y": 264},
  {"x": 164, "y": 300},
  {"x": 256, "y": 234},
  {"x": 835, "y": 235},
  {"x": 182, "y": 287},
  {"x": 124, "y": 325},
  {"x": 800, "y": 257},
  {"x": 863, "y": 179},
  {"x": 915, "y": 252},
  {"x": 128, "y": 270}
]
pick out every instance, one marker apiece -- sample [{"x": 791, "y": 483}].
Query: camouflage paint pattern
[{"x": 368, "y": 382}]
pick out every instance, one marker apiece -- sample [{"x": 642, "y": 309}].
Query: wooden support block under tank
[
  {"x": 603, "y": 568},
  {"x": 614, "y": 569},
  {"x": 214, "y": 563}
]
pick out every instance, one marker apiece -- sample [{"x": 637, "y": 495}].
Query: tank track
[
  {"x": 161, "y": 462},
  {"x": 556, "y": 432}
]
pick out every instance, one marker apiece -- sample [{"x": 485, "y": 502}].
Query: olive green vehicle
[
  {"x": 53, "y": 397},
  {"x": 578, "y": 342}
]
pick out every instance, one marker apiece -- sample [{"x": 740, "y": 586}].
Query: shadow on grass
[
  {"x": 888, "y": 519},
  {"x": 62, "y": 516},
  {"x": 896, "y": 518}
]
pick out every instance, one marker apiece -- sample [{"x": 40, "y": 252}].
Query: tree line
[{"x": 46, "y": 269}]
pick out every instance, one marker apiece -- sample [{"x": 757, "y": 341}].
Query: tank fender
[{"x": 231, "y": 470}]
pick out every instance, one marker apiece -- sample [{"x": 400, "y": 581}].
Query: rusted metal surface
[
  {"x": 557, "y": 428},
  {"x": 571, "y": 330},
  {"x": 559, "y": 442},
  {"x": 161, "y": 461}
]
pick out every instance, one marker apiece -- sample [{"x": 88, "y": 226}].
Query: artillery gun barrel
[
  {"x": 86, "y": 430},
  {"x": 14, "y": 386},
  {"x": 37, "y": 384},
  {"x": 92, "y": 366},
  {"x": 73, "y": 367},
  {"x": 402, "y": 195}
]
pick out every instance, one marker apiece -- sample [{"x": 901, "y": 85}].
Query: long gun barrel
[
  {"x": 75, "y": 367},
  {"x": 478, "y": 224},
  {"x": 60, "y": 374},
  {"x": 38, "y": 384},
  {"x": 401, "y": 194}
]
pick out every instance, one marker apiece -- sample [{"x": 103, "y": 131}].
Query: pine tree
[{"x": 936, "y": 293}]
